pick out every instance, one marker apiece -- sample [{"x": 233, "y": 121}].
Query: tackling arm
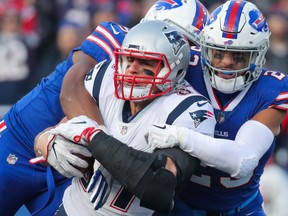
[
  {"x": 74, "y": 95},
  {"x": 144, "y": 174},
  {"x": 237, "y": 157}
]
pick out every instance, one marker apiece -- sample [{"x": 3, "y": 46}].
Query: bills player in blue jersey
[
  {"x": 40, "y": 188},
  {"x": 249, "y": 101},
  {"x": 24, "y": 183}
]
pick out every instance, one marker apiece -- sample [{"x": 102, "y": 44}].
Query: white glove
[
  {"x": 65, "y": 156},
  {"x": 165, "y": 136},
  {"x": 100, "y": 186},
  {"x": 79, "y": 129}
]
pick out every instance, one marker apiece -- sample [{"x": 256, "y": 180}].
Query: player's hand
[
  {"x": 100, "y": 186},
  {"x": 80, "y": 130},
  {"x": 165, "y": 136},
  {"x": 65, "y": 156}
]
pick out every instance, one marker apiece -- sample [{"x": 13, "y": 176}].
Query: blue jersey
[
  {"x": 209, "y": 188},
  {"x": 36, "y": 111},
  {"x": 41, "y": 107}
]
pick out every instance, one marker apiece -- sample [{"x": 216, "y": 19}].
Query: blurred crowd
[{"x": 35, "y": 35}]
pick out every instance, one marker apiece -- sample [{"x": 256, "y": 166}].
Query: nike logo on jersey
[
  {"x": 114, "y": 30},
  {"x": 201, "y": 103},
  {"x": 161, "y": 127},
  {"x": 83, "y": 122}
]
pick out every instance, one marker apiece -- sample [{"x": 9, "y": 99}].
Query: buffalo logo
[
  {"x": 199, "y": 116},
  {"x": 168, "y": 4},
  {"x": 176, "y": 40},
  {"x": 258, "y": 21},
  {"x": 228, "y": 42},
  {"x": 214, "y": 15}
]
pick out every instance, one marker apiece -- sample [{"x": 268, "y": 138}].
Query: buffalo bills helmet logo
[
  {"x": 200, "y": 115},
  {"x": 168, "y": 4},
  {"x": 258, "y": 21},
  {"x": 176, "y": 40},
  {"x": 214, "y": 15},
  {"x": 228, "y": 42}
]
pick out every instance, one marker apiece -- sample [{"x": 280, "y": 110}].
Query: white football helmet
[
  {"x": 188, "y": 15},
  {"x": 239, "y": 27},
  {"x": 152, "y": 40}
]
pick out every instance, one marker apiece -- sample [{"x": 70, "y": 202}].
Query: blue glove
[{"x": 100, "y": 186}]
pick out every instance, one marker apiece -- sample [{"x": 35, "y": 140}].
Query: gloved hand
[
  {"x": 65, "y": 156},
  {"x": 79, "y": 129},
  {"x": 100, "y": 186},
  {"x": 165, "y": 136}
]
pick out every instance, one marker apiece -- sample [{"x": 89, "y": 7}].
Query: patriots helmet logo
[
  {"x": 199, "y": 116},
  {"x": 258, "y": 21},
  {"x": 168, "y": 4},
  {"x": 176, "y": 40}
]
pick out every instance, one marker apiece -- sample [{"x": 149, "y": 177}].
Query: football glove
[
  {"x": 79, "y": 129},
  {"x": 165, "y": 136},
  {"x": 100, "y": 186},
  {"x": 64, "y": 156}
]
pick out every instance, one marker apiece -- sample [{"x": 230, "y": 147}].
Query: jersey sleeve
[
  {"x": 275, "y": 87},
  {"x": 281, "y": 101},
  {"x": 101, "y": 43},
  {"x": 194, "y": 112},
  {"x": 93, "y": 79}
]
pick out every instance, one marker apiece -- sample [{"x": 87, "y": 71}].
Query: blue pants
[{"x": 38, "y": 187}]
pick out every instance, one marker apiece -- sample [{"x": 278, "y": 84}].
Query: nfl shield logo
[
  {"x": 124, "y": 130},
  {"x": 220, "y": 117},
  {"x": 12, "y": 159}
]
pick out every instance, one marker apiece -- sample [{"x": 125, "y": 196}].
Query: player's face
[
  {"x": 229, "y": 61},
  {"x": 143, "y": 69}
]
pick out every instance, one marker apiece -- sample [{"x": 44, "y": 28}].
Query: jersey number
[
  {"x": 123, "y": 199},
  {"x": 227, "y": 182}
]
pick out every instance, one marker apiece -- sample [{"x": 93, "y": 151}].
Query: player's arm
[
  {"x": 237, "y": 157},
  {"x": 75, "y": 99},
  {"x": 144, "y": 174}
]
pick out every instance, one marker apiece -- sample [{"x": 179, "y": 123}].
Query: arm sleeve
[{"x": 237, "y": 157}]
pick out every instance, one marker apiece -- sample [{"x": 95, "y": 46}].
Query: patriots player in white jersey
[
  {"x": 148, "y": 88},
  {"x": 38, "y": 187},
  {"x": 249, "y": 101}
]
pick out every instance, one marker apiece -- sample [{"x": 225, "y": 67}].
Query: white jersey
[{"x": 185, "y": 107}]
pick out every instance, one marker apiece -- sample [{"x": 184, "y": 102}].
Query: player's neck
[{"x": 138, "y": 106}]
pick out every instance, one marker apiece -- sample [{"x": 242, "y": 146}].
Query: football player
[
  {"x": 149, "y": 88},
  {"x": 249, "y": 103},
  {"x": 38, "y": 187}
]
